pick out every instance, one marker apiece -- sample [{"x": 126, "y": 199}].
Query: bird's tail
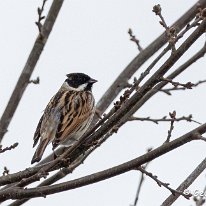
[{"x": 40, "y": 150}]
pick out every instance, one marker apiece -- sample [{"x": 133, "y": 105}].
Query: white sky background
[{"x": 91, "y": 37}]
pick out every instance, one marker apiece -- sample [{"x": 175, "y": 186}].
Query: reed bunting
[{"x": 67, "y": 115}]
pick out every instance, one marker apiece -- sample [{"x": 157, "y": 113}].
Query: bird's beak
[{"x": 92, "y": 81}]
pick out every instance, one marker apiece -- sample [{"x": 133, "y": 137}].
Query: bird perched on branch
[{"x": 67, "y": 115}]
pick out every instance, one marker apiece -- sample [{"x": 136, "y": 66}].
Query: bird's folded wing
[{"x": 72, "y": 122}]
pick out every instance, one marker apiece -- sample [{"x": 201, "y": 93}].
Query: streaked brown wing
[
  {"x": 47, "y": 111},
  {"x": 37, "y": 132},
  {"x": 79, "y": 112}
]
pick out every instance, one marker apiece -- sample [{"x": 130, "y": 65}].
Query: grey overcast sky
[{"x": 91, "y": 37}]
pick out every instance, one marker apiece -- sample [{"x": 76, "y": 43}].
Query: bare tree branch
[
  {"x": 35, "y": 81},
  {"x": 173, "y": 117},
  {"x": 160, "y": 183},
  {"x": 134, "y": 39},
  {"x": 40, "y": 17},
  {"x": 19, "y": 193},
  {"x": 188, "y": 85},
  {"x": 170, "y": 31},
  {"x": 163, "y": 119},
  {"x": 6, "y": 171},
  {"x": 8, "y": 148},
  {"x": 176, "y": 88},
  {"x": 142, "y": 178},
  {"x": 24, "y": 78},
  {"x": 186, "y": 183},
  {"x": 135, "y": 64}
]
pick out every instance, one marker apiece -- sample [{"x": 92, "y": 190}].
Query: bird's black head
[{"x": 80, "y": 81}]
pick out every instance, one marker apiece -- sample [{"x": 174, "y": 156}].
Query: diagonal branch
[
  {"x": 142, "y": 178},
  {"x": 122, "y": 80},
  {"x": 32, "y": 60},
  {"x": 160, "y": 183},
  {"x": 159, "y": 86},
  {"x": 125, "y": 110},
  {"x": 186, "y": 183}
]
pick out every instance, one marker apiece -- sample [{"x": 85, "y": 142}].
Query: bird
[{"x": 67, "y": 116}]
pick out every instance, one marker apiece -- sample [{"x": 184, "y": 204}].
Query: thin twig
[
  {"x": 40, "y": 17},
  {"x": 158, "y": 11},
  {"x": 170, "y": 31},
  {"x": 160, "y": 183},
  {"x": 188, "y": 85},
  {"x": 8, "y": 148},
  {"x": 6, "y": 171},
  {"x": 176, "y": 88},
  {"x": 163, "y": 119},
  {"x": 173, "y": 117},
  {"x": 35, "y": 81},
  {"x": 172, "y": 42},
  {"x": 134, "y": 39},
  {"x": 142, "y": 178}
]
